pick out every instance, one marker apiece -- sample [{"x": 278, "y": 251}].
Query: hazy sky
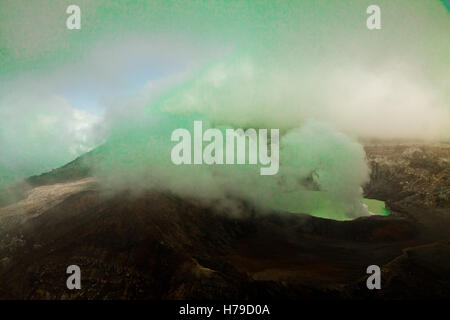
[
  {"x": 123, "y": 45},
  {"x": 301, "y": 66}
]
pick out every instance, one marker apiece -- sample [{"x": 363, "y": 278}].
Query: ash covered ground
[{"x": 160, "y": 246}]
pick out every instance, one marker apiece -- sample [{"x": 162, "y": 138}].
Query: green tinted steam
[
  {"x": 321, "y": 169},
  {"x": 309, "y": 67}
]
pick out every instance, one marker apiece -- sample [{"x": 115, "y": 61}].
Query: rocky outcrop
[{"x": 410, "y": 175}]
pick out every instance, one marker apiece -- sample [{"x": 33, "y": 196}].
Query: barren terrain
[{"x": 159, "y": 246}]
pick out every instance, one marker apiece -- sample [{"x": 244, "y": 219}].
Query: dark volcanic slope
[{"x": 157, "y": 245}]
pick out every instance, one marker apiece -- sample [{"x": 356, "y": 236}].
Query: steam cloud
[
  {"x": 321, "y": 169},
  {"x": 315, "y": 72}
]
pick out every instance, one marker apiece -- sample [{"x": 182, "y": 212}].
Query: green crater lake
[{"x": 376, "y": 206}]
